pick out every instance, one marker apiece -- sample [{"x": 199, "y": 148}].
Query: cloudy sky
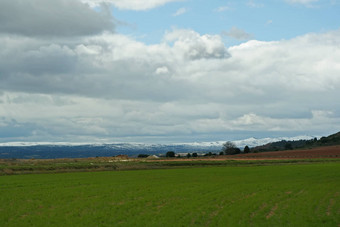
[{"x": 168, "y": 70}]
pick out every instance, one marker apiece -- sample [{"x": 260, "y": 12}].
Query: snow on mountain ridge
[{"x": 251, "y": 142}]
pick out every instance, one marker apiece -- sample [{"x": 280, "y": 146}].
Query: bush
[{"x": 143, "y": 155}]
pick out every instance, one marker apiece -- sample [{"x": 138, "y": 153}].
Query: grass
[
  {"x": 283, "y": 195},
  {"x": 24, "y": 166}
]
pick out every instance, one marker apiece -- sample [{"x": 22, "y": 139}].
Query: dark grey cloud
[
  {"x": 48, "y": 59},
  {"x": 52, "y": 18}
]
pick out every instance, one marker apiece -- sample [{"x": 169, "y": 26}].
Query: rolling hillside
[{"x": 331, "y": 140}]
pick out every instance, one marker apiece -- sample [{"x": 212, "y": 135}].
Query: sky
[{"x": 168, "y": 71}]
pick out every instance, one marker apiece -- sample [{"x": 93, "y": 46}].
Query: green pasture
[{"x": 276, "y": 195}]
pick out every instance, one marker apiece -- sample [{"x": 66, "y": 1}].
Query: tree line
[{"x": 228, "y": 148}]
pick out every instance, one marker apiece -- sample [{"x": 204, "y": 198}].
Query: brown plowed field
[{"x": 319, "y": 152}]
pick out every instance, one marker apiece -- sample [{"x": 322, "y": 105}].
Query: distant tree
[
  {"x": 229, "y": 148},
  {"x": 323, "y": 139},
  {"x": 221, "y": 153},
  {"x": 170, "y": 154},
  {"x": 143, "y": 155},
  {"x": 288, "y": 146},
  {"x": 228, "y": 145},
  {"x": 194, "y": 155},
  {"x": 188, "y": 155},
  {"x": 246, "y": 149}
]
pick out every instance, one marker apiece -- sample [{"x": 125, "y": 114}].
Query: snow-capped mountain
[
  {"x": 77, "y": 150},
  {"x": 251, "y": 142}
]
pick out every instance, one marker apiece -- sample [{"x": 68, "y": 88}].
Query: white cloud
[
  {"x": 255, "y": 122},
  {"x": 254, "y": 4},
  {"x": 131, "y": 4},
  {"x": 194, "y": 46},
  {"x": 179, "y": 12},
  {"x": 305, "y": 2},
  {"x": 223, "y": 8},
  {"x": 162, "y": 70},
  {"x": 269, "y": 22}
]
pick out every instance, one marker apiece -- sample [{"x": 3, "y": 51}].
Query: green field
[{"x": 275, "y": 195}]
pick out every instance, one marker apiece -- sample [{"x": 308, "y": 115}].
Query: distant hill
[
  {"x": 331, "y": 140},
  {"x": 103, "y": 150},
  {"x": 45, "y": 150},
  {"x": 23, "y": 150}
]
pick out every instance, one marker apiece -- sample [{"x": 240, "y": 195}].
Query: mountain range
[{"x": 28, "y": 150}]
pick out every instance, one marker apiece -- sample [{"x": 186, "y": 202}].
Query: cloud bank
[{"x": 95, "y": 85}]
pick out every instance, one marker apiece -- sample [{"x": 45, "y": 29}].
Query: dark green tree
[
  {"x": 188, "y": 155},
  {"x": 229, "y": 148},
  {"x": 194, "y": 155},
  {"x": 170, "y": 154},
  {"x": 143, "y": 155},
  {"x": 288, "y": 146},
  {"x": 246, "y": 149}
]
